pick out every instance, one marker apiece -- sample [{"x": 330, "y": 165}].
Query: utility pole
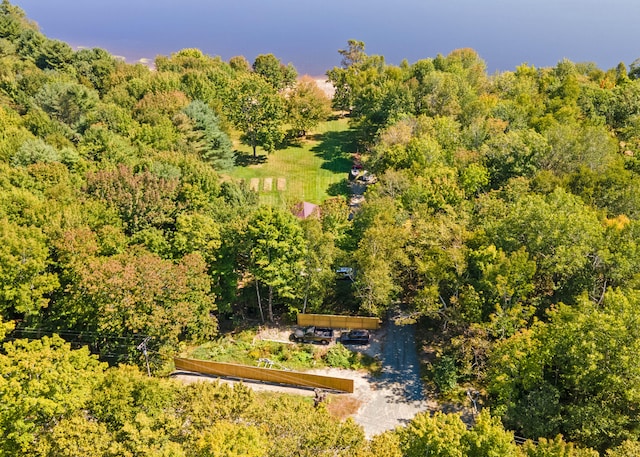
[{"x": 143, "y": 347}]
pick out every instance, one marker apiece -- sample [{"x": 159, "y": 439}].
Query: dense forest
[{"x": 504, "y": 223}]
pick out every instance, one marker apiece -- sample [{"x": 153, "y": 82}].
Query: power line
[{"x": 78, "y": 333}]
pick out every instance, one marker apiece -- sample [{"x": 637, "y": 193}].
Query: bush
[
  {"x": 244, "y": 349},
  {"x": 339, "y": 356},
  {"x": 445, "y": 374}
]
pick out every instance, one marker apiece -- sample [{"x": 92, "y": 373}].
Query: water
[{"x": 309, "y": 33}]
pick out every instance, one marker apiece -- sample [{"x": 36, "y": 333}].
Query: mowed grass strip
[{"x": 309, "y": 171}]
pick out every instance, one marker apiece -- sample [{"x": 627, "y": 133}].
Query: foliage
[
  {"x": 216, "y": 146},
  {"x": 258, "y": 112},
  {"x": 501, "y": 211},
  {"x": 137, "y": 294},
  {"x": 445, "y": 374},
  {"x": 67, "y": 102},
  {"x": 35, "y": 151},
  {"x": 143, "y": 200},
  {"x": 339, "y": 356},
  {"x": 25, "y": 278},
  {"x": 245, "y": 348},
  {"x": 378, "y": 256},
  {"x": 43, "y": 382},
  {"x": 277, "y": 74},
  {"x": 58, "y": 400},
  {"x": 578, "y": 370},
  {"x": 275, "y": 250},
  {"x": 307, "y": 106}
]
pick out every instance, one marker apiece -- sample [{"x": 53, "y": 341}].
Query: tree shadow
[
  {"x": 244, "y": 159},
  {"x": 339, "y": 188},
  {"x": 340, "y": 299},
  {"x": 335, "y": 149}
]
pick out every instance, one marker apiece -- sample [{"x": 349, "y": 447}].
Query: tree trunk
[
  {"x": 259, "y": 301},
  {"x": 306, "y": 295},
  {"x": 270, "y": 304}
]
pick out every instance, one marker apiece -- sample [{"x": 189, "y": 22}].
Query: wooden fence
[
  {"x": 334, "y": 321},
  {"x": 293, "y": 378}
]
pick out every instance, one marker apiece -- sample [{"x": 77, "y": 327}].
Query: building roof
[{"x": 303, "y": 210}]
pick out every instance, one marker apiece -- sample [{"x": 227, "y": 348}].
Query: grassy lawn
[{"x": 310, "y": 171}]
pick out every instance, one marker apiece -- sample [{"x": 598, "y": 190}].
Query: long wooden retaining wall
[
  {"x": 264, "y": 374},
  {"x": 335, "y": 321}
]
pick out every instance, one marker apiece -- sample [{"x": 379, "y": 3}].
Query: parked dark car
[{"x": 355, "y": 337}]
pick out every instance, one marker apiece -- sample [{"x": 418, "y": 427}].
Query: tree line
[
  {"x": 505, "y": 220},
  {"x": 58, "y": 401}
]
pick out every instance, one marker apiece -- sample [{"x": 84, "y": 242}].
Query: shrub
[
  {"x": 339, "y": 356},
  {"x": 445, "y": 374}
]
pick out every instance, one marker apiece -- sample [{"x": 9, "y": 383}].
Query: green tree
[
  {"x": 353, "y": 55},
  {"x": 5, "y": 327},
  {"x": 575, "y": 375},
  {"x": 319, "y": 256},
  {"x": 67, "y": 102},
  {"x": 35, "y": 151},
  {"x": 296, "y": 429},
  {"x": 42, "y": 382},
  {"x": 240, "y": 63},
  {"x": 307, "y": 105},
  {"x": 344, "y": 78},
  {"x": 387, "y": 444},
  {"x": 629, "y": 448},
  {"x": 54, "y": 55},
  {"x": 513, "y": 154},
  {"x": 13, "y": 21},
  {"x": 197, "y": 233},
  {"x": 227, "y": 439},
  {"x": 438, "y": 260},
  {"x": 138, "y": 412},
  {"x": 556, "y": 447},
  {"x": 504, "y": 283},
  {"x": 277, "y": 74},
  {"x": 276, "y": 252},
  {"x": 216, "y": 144},
  {"x": 559, "y": 233},
  {"x": 258, "y": 111},
  {"x": 439, "y": 435},
  {"x": 381, "y": 102},
  {"x": 445, "y": 435},
  {"x": 95, "y": 66},
  {"x": 488, "y": 437},
  {"x": 73, "y": 436},
  {"x": 26, "y": 280},
  {"x": 571, "y": 147},
  {"x": 379, "y": 256}
]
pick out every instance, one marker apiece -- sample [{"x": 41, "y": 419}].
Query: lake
[{"x": 309, "y": 33}]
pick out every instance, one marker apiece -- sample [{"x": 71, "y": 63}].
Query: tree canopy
[{"x": 499, "y": 212}]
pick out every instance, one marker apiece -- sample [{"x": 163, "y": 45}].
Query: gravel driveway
[
  {"x": 397, "y": 395},
  {"x": 386, "y": 401}
]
